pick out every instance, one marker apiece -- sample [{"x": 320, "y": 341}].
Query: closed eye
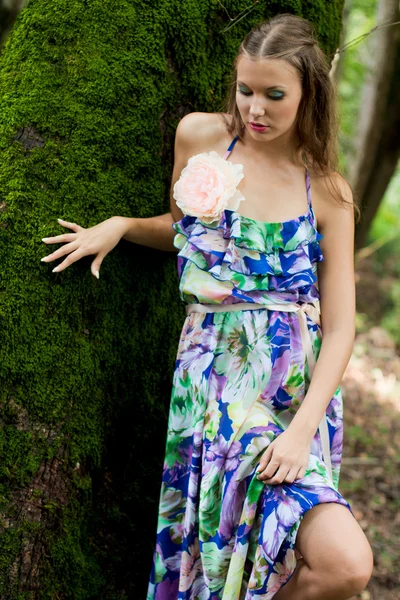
[{"x": 281, "y": 94}]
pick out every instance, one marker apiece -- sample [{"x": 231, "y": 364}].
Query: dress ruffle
[{"x": 251, "y": 255}]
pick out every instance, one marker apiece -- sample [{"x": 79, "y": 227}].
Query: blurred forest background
[
  {"x": 369, "y": 73},
  {"x": 368, "y": 79}
]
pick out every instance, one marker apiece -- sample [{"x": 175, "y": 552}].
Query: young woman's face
[{"x": 268, "y": 92}]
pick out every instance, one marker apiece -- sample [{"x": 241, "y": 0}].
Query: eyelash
[{"x": 270, "y": 97}]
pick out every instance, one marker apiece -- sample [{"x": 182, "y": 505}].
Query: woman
[{"x": 249, "y": 502}]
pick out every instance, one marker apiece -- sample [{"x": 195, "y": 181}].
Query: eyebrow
[{"x": 268, "y": 88}]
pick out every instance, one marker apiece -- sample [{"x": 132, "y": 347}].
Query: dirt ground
[{"x": 370, "y": 473}]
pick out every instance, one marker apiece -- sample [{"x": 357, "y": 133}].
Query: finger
[
  {"x": 71, "y": 258},
  {"x": 95, "y": 267},
  {"x": 270, "y": 470},
  {"x": 266, "y": 457},
  {"x": 301, "y": 473},
  {"x": 292, "y": 475},
  {"x": 61, "y": 252},
  {"x": 66, "y": 237},
  {"x": 72, "y": 226},
  {"x": 279, "y": 476}
]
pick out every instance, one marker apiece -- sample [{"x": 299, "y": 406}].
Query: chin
[{"x": 269, "y": 134}]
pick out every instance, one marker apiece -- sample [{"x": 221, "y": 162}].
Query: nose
[{"x": 256, "y": 108}]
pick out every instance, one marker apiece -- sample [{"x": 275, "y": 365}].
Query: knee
[
  {"x": 355, "y": 572},
  {"x": 356, "y": 581}
]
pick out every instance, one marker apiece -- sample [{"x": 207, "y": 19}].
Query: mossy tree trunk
[{"x": 90, "y": 95}]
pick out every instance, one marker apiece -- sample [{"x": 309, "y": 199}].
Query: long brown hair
[{"x": 292, "y": 38}]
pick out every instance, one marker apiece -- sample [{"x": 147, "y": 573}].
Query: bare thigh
[{"x": 333, "y": 544}]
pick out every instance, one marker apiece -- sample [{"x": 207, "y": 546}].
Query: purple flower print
[
  {"x": 223, "y": 454},
  {"x": 173, "y": 563},
  {"x": 276, "y": 526},
  {"x": 288, "y": 510},
  {"x": 337, "y": 446},
  {"x": 232, "y": 506},
  {"x": 216, "y": 385},
  {"x": 196, "y": 350},
  {"x": 277, "y": 376},
  {"x": 167, "y": 589}
]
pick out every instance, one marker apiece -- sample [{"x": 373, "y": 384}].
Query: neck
[{"x": 278, "y": 151}]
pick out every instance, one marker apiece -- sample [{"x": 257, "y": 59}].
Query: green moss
[{"x": 91, "y": 93}]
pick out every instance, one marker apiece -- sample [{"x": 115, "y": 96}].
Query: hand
[
  {"x": 98, "y": 240},
  {"x": 285, "y": 459}
]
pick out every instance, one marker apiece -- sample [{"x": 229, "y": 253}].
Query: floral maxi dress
[{"x": 239, "y": 378}]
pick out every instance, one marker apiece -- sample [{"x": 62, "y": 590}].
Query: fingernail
[
  {"x": 44, "y": 259},
  {"x": 44, "y": 239},
  {"x": 55, "y": 270},
  {"x": 60, "y": 220},
  {"x": 97, "y": 274}
]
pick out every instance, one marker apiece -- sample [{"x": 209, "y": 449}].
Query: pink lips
[{"x": 258, "y": 126}]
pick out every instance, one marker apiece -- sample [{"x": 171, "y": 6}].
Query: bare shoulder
[
  {"x": 332, "y": 187},
  {"x": 196, "y": 132},
  {"x": 200, "y": 132},
  {"x": 332, "y": 197}
]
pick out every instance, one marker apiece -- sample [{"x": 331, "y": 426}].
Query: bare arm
[
  {"x": 337, "y": 293},
  {"x": 153, "y": 232}
]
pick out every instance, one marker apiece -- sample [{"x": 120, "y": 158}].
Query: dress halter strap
[
  {"x": 310, "y": 207},
  {"x": 308, "y": 187},
  {"x": 231, "y": 145}
]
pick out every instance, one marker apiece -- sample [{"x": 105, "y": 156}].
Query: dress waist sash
[{"x": 313, "y": 311}]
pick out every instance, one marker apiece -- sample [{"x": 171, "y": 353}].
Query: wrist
[
  {"x": 125, "y": 224},
  {"x": 302, "y": 424}
]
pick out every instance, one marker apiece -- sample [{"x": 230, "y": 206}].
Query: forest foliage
[{"x": 381, "y": 305}]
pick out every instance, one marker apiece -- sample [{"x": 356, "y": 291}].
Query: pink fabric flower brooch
[{"x": 207, "y": 186}]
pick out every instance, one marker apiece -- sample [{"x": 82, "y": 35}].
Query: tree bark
[
  {"x": 385, "y": 163},
  {"x": 376, "y": 140},
  {"x": 339, "y": 60}
]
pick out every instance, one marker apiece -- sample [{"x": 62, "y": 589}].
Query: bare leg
[
  {"x": 337, "y": 558},
  {"x": 303, "y": 579}
]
